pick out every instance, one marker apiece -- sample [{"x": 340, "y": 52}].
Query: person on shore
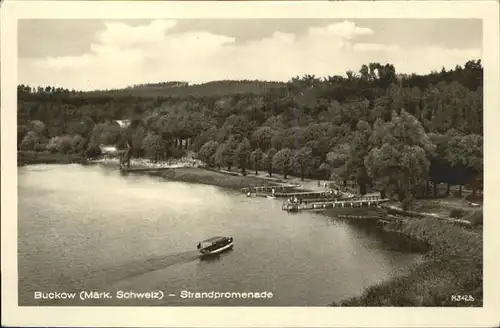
[{"x": 319, "y": 183}]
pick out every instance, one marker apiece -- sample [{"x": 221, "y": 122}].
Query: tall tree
[
  {"x": 283, "y": 161},
  {"x": 268, "y": 161},
  {"x": 359, "y": 149},
  {"x": 261, "y": 137},
  {"x": 154, "y": 147},
  {"x": 303, "y": 161},
  {"x": 207, "y": 152},
  {"x": 225, "y": 154},
  {"x": 256, "y": 157},
  {"x": 398, "y": 161},
  {"x": 242, "y": 155},
  {"x": 465, "y": 154}
]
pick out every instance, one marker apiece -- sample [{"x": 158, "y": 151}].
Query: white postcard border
[{"x": 245, "y": 316}]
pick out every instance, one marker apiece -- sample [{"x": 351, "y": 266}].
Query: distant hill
[{"x": 184, "y": 89}]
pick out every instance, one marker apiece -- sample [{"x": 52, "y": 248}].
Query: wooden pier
[
  {"x": 330, "y": 198},
  {"x": 269, "y": 189},
  {"x": 360, "y": 217},
  {"x": 304, "y": 194},
  {"x": 372, "y": 201},
  {"x": 291, "y": 207}
]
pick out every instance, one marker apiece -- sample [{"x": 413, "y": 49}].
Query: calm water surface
[{"x": 90, "y": 228}]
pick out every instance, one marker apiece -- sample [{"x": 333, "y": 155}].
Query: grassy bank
[
  {"x": 453, "y": 266},
  {"x": 34, "y": 157},
  {"x": 209, "y": 177}
]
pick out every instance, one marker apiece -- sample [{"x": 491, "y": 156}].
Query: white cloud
[
  {"x": 346, "y": 30},
  {"x": 121, "y": 34},
  {"x": 62, "y": 63},
  {"x": 125, "y": 55},
  {"x": 375, "y": 47}
]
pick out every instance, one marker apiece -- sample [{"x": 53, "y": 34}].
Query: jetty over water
[
  {"x": 360, "y": 217},
  {"x": 267, "y": 188},
  {"x": 305, "y": 194},
  {"x": 371, "y": 201}
]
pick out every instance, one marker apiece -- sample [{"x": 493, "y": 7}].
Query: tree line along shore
[{"x": 402, "y": 135}]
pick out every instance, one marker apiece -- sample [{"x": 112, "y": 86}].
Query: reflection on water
[
  {"x": 215, "y": 257},
  {"x": 88, "y": 227},
  {"x": 389, "y": 240}
]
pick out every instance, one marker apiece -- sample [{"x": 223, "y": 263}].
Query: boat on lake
[{"x": 215, "y": 245}]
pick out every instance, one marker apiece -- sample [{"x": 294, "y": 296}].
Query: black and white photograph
[{"x": 329, "y": 162}]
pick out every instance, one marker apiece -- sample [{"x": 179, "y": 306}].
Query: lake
[{"x": 93, "y": 229}]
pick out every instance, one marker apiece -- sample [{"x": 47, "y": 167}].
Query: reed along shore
[
  {"x": 45, "y": 157},
  {"x": 450, "y": 275}
]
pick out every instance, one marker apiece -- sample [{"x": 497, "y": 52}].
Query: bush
[
  {"x": 177, "y": 153},
  {"x": 46, "y": 157},
  {"x": 471, "y": 198},
  {"x": 406, "y": 203},
  {"x": 93, "y": 151},
  {"x": 456, "y": 213},
  {"x": 154, "y": 147},
  {"x": 40, "y": 147},
  {"x": 30, "y": 141},
  {"x": 476, "y": 218}
]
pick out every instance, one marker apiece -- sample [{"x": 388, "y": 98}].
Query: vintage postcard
[{"x": 218, "y": 164}]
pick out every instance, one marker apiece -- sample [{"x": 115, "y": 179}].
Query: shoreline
[
  {"x": 33, "y": 157},
  {"x": 452, "y": 265},
  {"x": 191, "y": 170},
  {"x": 205, "y": 176}
]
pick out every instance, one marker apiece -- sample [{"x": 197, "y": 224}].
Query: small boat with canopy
[{"x": 215, "y": 245}]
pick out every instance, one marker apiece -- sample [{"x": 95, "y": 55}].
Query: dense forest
[{"x": 397, "y": 133}]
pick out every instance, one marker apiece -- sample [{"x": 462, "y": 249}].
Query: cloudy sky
[{"x": 97, "y": 54}]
